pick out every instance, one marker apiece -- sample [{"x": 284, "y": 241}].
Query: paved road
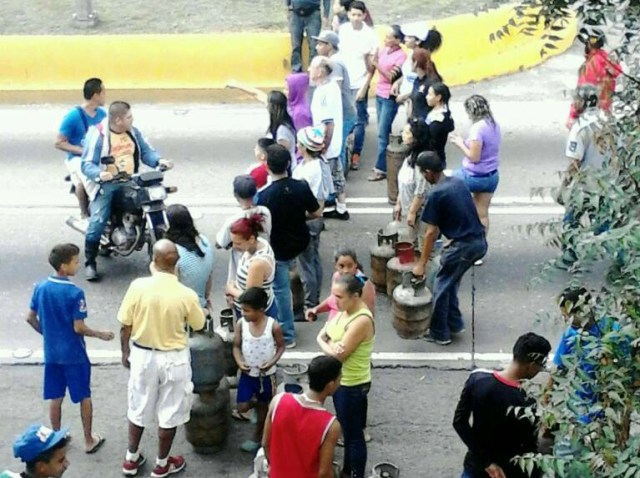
[{"x": 210, "y": 144}]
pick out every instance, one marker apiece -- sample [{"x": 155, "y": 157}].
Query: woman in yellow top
[{"x": 350, "y": 338}]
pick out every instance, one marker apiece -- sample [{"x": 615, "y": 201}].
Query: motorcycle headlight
[{"x": 157, "y": 193}]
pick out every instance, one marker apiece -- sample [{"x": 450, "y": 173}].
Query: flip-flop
[
  {"x": 97, "y": 446},
  {"x": 236, "y": 415}
]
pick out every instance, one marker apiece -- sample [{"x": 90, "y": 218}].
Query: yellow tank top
[{"x": 356, "y": 370}]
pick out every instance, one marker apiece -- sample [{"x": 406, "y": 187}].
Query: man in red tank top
[{"x": 300, "y": 435}]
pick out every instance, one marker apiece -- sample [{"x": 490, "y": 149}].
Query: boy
[
  {"x": 257, "y": 346},
  {"x": 43, "y": 451},
  {"x": 258, "y": 171},
  {"x": 57, "y": 312}
]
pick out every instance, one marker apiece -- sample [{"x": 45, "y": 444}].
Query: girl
[
  {"x": 195, "y": 266},
  {"x": 482, "y": 155},
  {"x": 426, "y": 76},
  {"x": 346, "y": 262},
  {"x": 411, "y": 183},
  {"x": 439, "y": 119},
  {"x": 258, "y": 344}
]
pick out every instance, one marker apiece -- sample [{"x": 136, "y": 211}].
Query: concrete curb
[{"x": 261, "y": 59}]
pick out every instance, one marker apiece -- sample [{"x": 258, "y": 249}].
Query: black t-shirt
[
  {"x": 288, "y": 200},
  {"x": 439, "y": 129},
  {"x": 497, "y": 434},
  {"x": 450, "y": 207},
  {"x": 419, "y": 106}
]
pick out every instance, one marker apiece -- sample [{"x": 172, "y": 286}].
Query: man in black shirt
[
  {"x": 291, "y": 203},
  {"x": 499, "y": 433},
  {"x": 449, "y": 210}
]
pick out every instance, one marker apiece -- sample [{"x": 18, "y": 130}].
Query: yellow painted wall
[{"x": 262, "y": 59}]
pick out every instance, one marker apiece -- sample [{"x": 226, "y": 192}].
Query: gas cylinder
[
  {"x": 385, "y": 470},
  {"x": 411, "y": 307},
  {"x": 380, "y": 255},
  {"x": 207, "y": 358},
  {"x": 209, "y": 424},
  {"x": 396, "y": 152},
  {"x": 226, "y": 331},
  {"x": 403, "y": 261}
]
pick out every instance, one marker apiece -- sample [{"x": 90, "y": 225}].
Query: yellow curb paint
[{"x": 199, "y": 61}]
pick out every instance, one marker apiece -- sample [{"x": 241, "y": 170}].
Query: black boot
[{"x": 90, "y": 254}]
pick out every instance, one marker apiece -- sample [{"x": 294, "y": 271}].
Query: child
[
  {"x": 58, "y": 310},
  {"x": 258, "y": 171},
  {"x": 257, "y": 347},
  {"x": 346, "y": 262},
  {"x": 43, "y": 451}
]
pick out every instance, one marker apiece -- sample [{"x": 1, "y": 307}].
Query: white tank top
[{"x": 258, "y": 350}]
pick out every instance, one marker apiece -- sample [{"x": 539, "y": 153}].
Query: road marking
[{"x": 114, "y": 357}]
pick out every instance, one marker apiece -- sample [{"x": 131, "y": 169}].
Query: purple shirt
[
  {"x": 387, "y": 61},
  {"x": 491, "y": 137}
]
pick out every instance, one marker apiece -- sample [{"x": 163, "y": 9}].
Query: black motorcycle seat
[{"x": 149, "y": 178}]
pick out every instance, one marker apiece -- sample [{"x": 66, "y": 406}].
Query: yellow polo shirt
[{"x": 158, "y": 308}]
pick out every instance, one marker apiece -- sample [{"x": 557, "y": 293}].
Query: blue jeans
[
  {"x": 100, "y": 209},
  {"x": 361, "y": 124},
  {"x": 282, "y": 291},
  {"x": 310, "y": 266},
  {"x": 386, "y": 110},
  {"x": 479, "y": 184},
  {"x": 298, "y": 25},
  {"x": 347, "y": 127},
  {"x": 351, "y": 409},
  {"x": 466, "y": 474},
  {"x": 455, "y": 260}
]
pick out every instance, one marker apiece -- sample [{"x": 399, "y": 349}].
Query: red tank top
[{"x": 298, "y": 430}]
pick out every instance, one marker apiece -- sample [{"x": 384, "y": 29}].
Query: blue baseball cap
[{"x": 35, "y": 441}]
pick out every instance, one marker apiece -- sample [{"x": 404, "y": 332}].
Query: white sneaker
[{"x": 479, "y": 262}]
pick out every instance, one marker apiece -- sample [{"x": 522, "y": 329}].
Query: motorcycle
[{"x": 138, "y": 213}]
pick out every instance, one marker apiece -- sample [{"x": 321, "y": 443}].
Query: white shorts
[
  {"x": 74, "y": 166},
  {"x": 159, "y": 387}
]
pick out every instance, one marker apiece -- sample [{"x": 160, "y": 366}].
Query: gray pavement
[{"x": 210, "y": 144}]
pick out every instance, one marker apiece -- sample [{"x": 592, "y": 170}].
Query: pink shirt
[{"x": 387, "y": 61}]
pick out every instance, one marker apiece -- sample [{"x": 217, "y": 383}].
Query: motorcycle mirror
[{"x": 107, "y": 160}]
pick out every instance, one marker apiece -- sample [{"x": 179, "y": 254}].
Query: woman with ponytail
[
  {"x": 439, "y": 119},
  {"x": 257, "y": 265}
]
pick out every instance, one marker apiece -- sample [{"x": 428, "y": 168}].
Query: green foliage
[{"x": 605, "y": 238}]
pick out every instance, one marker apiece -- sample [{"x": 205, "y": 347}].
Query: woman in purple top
[
  {"x": 482, "y": 155},
  {"x": 388, "y": 63},
  {"x": 299, "y": 106}
]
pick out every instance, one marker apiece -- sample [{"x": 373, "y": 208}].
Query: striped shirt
[
  {"x": 194, "y": 271},
  {"x": 264, "y": 253}
]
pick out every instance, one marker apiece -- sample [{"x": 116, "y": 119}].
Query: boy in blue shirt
[
  {"x": 58, "y": 309},
  {"x": 43, "y": 451},
  {"x": 72, "y": 131}
]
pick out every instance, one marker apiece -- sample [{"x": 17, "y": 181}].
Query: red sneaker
[
  {"x": 131, "y": 468},
  {"x": 174, "y": 465}
]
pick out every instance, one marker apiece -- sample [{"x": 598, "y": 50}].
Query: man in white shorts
[{"x": 154, "y": 314}]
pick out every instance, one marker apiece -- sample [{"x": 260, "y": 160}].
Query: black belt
[
  {"x": 486, "y": 175},
  {"x": 144, "y": 347}
]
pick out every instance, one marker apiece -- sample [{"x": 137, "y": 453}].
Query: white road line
[{"x": 113, "y": 356}]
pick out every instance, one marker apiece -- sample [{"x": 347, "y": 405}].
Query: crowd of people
[{"x": 297, "y": 181}]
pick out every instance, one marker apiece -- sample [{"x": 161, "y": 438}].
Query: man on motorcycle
[{"x": 116, "y": 138}]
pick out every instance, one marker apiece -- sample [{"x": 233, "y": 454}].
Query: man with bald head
[
  {"x": 115, "y": 137},
  {"x": 154, "y": 314}
]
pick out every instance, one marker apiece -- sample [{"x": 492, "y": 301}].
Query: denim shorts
[
  {"x": 60, "y": 377},
  {"x": 479, "y": 184}
]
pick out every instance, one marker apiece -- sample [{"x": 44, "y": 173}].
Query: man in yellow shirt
[{"x": 154, "y": 314}]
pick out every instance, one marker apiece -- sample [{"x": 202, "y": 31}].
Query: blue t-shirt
[
  {"x": 450, "y": 207},
  {"x": 58, "y": 302},
  {"x": 586, "y": 396},
  {"x": 76, "y": 123}
]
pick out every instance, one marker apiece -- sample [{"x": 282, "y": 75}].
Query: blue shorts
[
  {"x": 479, "y": 184},
  {"x": 261, "y": 388},
  {"x": 75, "y": 377}
]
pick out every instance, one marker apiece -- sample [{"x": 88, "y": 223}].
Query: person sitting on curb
[{"x": 44, "y": 452}]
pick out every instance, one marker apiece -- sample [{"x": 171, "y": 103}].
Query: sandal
[
  {"x": 377, "y": 177},
  {"x": 97, "y": 443},
  {"x": 241, "y": 417}
]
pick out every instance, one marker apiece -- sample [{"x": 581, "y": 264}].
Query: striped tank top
[{"x": 263, "y": 254}]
